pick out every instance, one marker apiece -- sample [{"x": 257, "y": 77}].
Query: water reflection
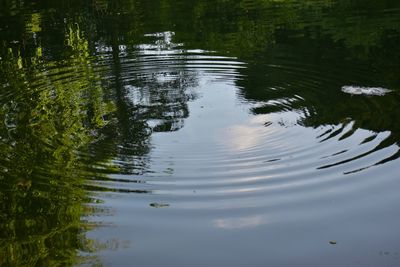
[
  {"x": 315, "y": 94},
  {"x": 248, "y": 222},
  {"x": 174, "y": 121},
  {"x": 150, "y": 96},
  {"x": 45, "y": 122},
  {"x": 65, "y": 126}
]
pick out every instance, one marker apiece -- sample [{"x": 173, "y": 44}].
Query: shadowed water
[{"x": 199, "y": 133}]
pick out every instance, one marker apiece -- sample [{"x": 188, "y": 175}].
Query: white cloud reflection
[
  {"x": 239, "y": 223},
  {"x": 246, "y": 136}
]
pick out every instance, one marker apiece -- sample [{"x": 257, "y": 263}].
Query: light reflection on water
[
  {"x": 229, "y": 142},
  {"x": 254, "y": 175}
]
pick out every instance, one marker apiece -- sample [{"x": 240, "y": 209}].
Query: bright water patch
[
  {"x": 238, "y": 168},
  {"x": 368, "y": 91}
]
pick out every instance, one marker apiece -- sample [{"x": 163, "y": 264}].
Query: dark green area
[{"x": 64, "y": 110}]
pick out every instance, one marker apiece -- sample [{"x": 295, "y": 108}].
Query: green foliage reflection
[
  {"x": 53, "y": 116},
  {"x": 65, "y": 110}
]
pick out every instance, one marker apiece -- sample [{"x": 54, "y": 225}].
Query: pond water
[{"x": 199, "y": 133}]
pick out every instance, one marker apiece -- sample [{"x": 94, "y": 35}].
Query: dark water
[{"x": 199, "y": 133}]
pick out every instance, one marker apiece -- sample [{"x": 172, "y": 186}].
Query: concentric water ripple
[
  {"x": 238, "y": 154},
  {"x": 236, "y": 134},
  {"x": 186, "y": 131}
]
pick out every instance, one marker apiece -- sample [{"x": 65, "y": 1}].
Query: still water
[{"x": 199, "y": 133}]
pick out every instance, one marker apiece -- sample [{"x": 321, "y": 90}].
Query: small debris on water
[
  {"x": 159, "y": 205},
  {"x": 370, "y": 91},
  {"x": 332, "y": 242}
]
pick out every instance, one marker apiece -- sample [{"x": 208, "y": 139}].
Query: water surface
[{"x": 195, "y": 133}]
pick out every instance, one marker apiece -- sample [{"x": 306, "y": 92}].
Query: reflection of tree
[
  {"x": 48, "y": 123},
  {"x": 312, "y": 88},
  {"x": 147, "y": 101},
  {"x": 61, "y": 122},
  {"x": 300, "y": 54},
  {"x": 247, "y": 27},
  {"x": 65, "y": 125}
]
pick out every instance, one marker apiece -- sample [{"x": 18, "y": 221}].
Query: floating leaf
[{"x": 159, "y": 205}]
